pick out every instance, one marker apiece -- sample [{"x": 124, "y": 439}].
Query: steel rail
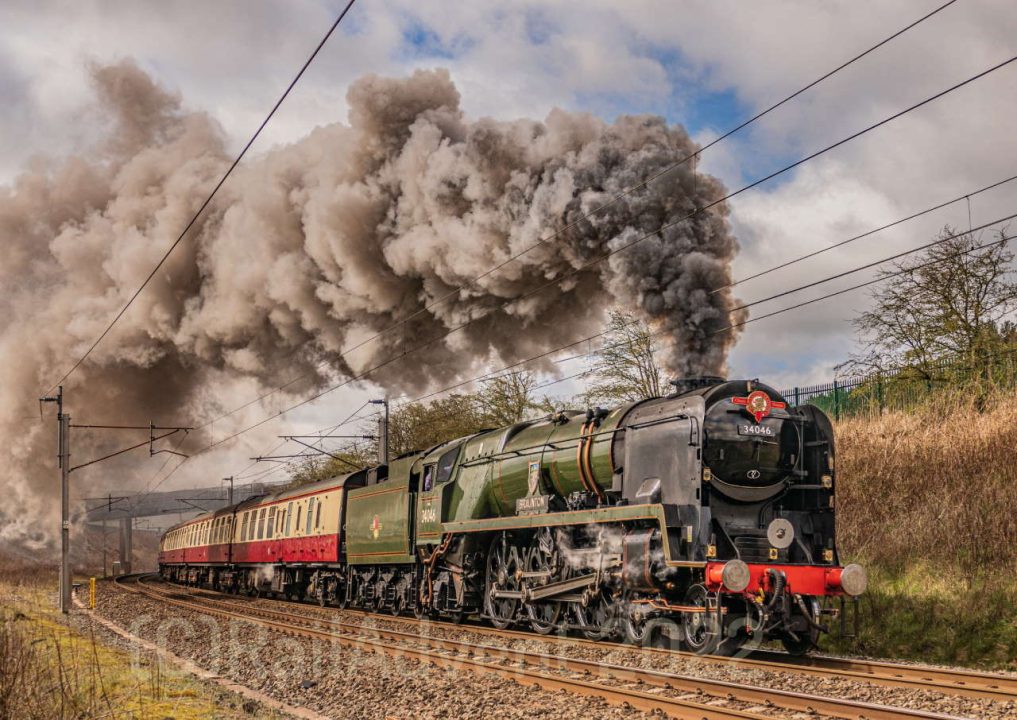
[
  {"x": 963, "y": 683},
  {"x": 791, "y": 701}
]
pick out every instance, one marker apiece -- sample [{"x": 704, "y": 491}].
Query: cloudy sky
[{"x": 706, "y": 65}]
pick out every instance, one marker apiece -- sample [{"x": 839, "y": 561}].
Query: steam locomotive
[{"x": 705, "y": 517}]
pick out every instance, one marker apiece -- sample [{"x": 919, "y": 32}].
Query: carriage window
[
  {"x": 243, "y": 528},
  {"x": 289, "y": 517},
  {"x": 428, "y": 477},
  {"x": 317, "y": 516},
  {"x": 445, "y": 464},
  {"x": 296, "y": 525},
  {"x": 261, "y": 523},
  {"x": 271, "y": 522},
  {"x": 310, "y": 514}
]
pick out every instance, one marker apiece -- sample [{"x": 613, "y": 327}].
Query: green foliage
[{"x": 935, "y": 614}]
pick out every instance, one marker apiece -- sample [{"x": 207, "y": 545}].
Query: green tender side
[{"x": 378, "y": 523}]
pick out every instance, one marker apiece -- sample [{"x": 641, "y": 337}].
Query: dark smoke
[{"x": 316, "y": 245}]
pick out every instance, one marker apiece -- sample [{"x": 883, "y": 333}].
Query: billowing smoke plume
[{"x": 315, "y": 246}]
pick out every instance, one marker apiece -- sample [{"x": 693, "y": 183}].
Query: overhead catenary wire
[
  {"x": 661, "y": 332},
  {"x": 600, "y": 208},
  {"x": 868, "y": 233},
  {"x": 874, "y": 263},
  {"x": 797, "y": 306},
  {"x": 879, "y": 279},
  {"x": 208, "y": 200},
  {"x": 622, "y": 248},
  {"x": 150, "y": 488}
]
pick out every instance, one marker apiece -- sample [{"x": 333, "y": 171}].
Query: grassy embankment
[
  {"x": 927, "y": 500},
  {"x": 49, "y": 671}
]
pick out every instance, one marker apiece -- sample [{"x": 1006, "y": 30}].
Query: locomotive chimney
[{"x": 688, "y": 384}]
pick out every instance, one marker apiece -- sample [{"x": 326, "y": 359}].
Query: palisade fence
[{"x": 904, "y": 388}]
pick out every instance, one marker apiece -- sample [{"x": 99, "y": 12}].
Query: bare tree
[
  {"x": 507, "y": 399},
  {"x": 949, "y": 303},
  {"x": 626, "y": 366},
  {"x": 324, "y": 467},
  {"x": 418, "y": 426}
]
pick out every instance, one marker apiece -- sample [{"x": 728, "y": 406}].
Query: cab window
[
  {"x": 429, "y": 472},
  {"x": 445, "y": 464}
]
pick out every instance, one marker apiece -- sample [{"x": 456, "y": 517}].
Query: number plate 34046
[{"x": 760, "y": 430}]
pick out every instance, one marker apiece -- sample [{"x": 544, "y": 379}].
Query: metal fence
[{"x": 906, "y": 387}]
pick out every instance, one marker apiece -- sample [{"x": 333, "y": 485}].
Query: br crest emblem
[
  {"x": 375, "y": 527},
  {"x": 758, "y": 404}
]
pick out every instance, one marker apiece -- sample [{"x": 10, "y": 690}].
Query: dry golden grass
[
  {"x": 937, "y": 484},
  {"x": 926, "y": 500},
  {"x": 49, "y": 671}
]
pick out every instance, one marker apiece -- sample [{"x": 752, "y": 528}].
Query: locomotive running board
[
  {"x": 543, "y": 592},
  {"x": 613, "y": 514}
]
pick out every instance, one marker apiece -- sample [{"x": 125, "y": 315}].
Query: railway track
[
  {"x": 962, "y": 683},
  {"x": 677, "y": 695}
]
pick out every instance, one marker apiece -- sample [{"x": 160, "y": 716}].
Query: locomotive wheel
[
  {"x": 502, "y": 563},
  {"x": 399, "y": 604},
  {"x": 702, "y": 634},
  {"x": 637, "y": 628},
  {"x": 597, "y": 618},
  {"x": 543, "y": 615}
]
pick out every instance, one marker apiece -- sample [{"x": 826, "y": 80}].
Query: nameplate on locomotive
[{"x": 532, "y": 504}]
